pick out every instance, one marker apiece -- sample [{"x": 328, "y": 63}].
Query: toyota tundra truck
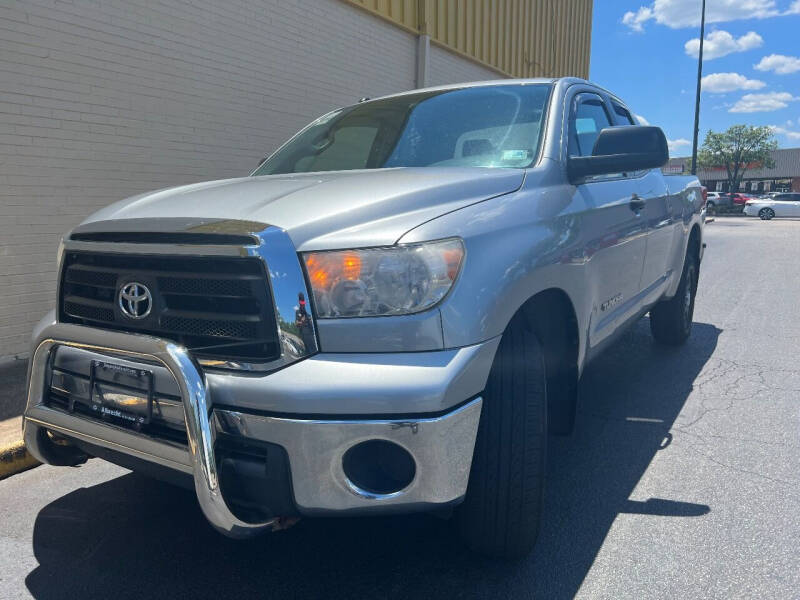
[{"x": 388, "y": 315}]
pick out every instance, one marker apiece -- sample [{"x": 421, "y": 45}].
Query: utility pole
[{"x": 697, "y": 97}]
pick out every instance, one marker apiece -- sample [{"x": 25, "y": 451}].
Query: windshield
[{"x": 486, "y": 126}]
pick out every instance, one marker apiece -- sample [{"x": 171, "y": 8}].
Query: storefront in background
[
  {"x": 757, "y": 186},
  {"x": 784, "y": 176}
]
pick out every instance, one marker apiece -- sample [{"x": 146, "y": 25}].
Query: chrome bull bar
[{"x": 200, "y": 461}]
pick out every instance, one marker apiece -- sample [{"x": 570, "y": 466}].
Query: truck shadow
[{"x": 134, "y": 537}]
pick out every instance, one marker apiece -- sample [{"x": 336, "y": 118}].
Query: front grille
[{"x": 218, "y": 307}]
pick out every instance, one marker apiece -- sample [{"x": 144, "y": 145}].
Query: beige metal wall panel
[
  {"x": 521, "y": 38},
  {"x": 401, "y": 12}
]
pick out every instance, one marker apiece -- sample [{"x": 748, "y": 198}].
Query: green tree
[{"x": 737, "y": 149}]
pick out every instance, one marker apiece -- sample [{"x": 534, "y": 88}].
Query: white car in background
[{"x": 781, "y": 205}]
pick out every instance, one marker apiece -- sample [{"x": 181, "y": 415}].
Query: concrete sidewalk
[{"x": 10, "y": 430}]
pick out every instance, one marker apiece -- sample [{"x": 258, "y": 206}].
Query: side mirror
[{"x": 622, "y": 150}]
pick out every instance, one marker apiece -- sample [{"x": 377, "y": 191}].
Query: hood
[{"x": 327, "y": 210}]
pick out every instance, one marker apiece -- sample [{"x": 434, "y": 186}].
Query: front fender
[{"x": 516, "y": 246}]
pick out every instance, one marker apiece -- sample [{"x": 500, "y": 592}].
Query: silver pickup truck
[{"x": 388, "y": 315}]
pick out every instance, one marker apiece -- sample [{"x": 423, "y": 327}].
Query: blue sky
[{"x": 751, "y": 64}]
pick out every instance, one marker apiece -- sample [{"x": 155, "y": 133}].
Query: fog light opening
[{"x": 378, "y": 467}]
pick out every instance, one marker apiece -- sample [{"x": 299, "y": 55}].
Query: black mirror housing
[{"x": 622, "y": 150}]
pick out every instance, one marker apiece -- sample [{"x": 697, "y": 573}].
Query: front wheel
[
  {"x": 710, "y": 208},
  {"x": 671, "y": 320},
  {"x": 766, "y": 214},
  {"x": 500, "y": 513}
]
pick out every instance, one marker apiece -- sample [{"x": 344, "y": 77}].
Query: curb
[{"x": 14, "y": 458}]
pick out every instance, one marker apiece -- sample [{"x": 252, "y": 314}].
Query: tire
[
  {"x": 500, "y": 513},
  {"x": 671, "y": 320},
  {"x": 766, "y": 214},
  {"x": 710, "y": 208}
]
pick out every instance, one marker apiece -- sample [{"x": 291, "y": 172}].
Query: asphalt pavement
[{"x": 682, "y": 479}]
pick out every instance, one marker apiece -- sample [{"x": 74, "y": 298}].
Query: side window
[
  {"x": 588, "y": 117},
  {"x": 783, "y": 197},
  {"x": 623, "y": 114}
]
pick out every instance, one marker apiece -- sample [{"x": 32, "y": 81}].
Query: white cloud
[
  {"x": 641, "y": 120},
  {"x": 794, "y": 9},
  {"x": 676, "y": 145},
  {"x": 721, "y": 43},
  {"x": 686, "y": 13},
  {"x": 634, "y": 20},
  {"x": 762, "y": 102},
  {"x": 781, "y": 64},
  {"x": 720, "y": 83},
  {"x": 778, "y": 130}
]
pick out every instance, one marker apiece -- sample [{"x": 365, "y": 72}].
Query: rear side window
[
  {"x": 623, "y": 114},
  {"x": 589, "y": 117}
]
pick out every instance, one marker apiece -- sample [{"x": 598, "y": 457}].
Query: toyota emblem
[{"x": 135, "y": 300}]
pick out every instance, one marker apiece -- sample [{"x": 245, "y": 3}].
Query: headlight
[{"x": 372, "y": 282}]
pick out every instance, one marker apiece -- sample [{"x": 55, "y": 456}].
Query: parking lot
[{"x": 682, "y": 479}]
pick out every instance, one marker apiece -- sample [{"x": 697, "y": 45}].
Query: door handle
[{"x": 637, "y": 204}]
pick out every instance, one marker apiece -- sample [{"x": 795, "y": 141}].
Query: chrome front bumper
[{"x": 441, "y": 446}]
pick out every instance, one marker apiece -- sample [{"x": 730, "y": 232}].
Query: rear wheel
[
  {"x": 500, "y": 514},
  {"x": 766, "y": 214},
  {"x": 710, "y": 208},
  {"x": 671, "y": 320}
]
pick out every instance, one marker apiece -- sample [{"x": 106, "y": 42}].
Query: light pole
[{"x": 697, "y": 97}]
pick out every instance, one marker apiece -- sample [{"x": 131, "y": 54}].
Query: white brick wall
[{"x": 102, "y": 99}]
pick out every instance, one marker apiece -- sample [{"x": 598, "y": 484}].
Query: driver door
[{"x": 614, "y": 229}]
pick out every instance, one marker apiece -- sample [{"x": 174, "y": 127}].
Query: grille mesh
[
  {"x": 87, "y": 311},
  {"x": 212, "y": 287},
  {"x": 98, "y": 278},
  {"x": 210, "y": 327}
]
